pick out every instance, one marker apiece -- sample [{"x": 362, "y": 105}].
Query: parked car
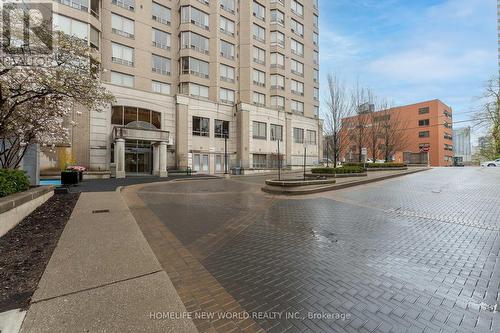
[{"x": 495, "y": 163}]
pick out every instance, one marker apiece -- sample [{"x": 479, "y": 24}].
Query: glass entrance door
[{"x": 138, "y": 157}]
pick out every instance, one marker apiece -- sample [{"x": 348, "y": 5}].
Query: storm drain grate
[{"x": 100, "y": 211}]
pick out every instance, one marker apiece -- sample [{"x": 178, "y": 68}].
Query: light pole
[
  {"x": 279, "y": 160},
  {"x": 327, "y": 158},
  {"x": 305, "y": 156},
  {"x": 225, "y": 152}
]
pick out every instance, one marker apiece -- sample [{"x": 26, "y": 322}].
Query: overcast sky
[{"x": 411, "y": 51}]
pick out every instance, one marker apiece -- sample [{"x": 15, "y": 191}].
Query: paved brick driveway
[{"x": 418, "y": 253}]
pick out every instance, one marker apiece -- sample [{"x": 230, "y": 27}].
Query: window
[
  {"x": 298, "y": 135},
  {"x": 227, "y": 26},
  {"x": 297, "y": 8},
  {"x": 226, "y": 96},
  {"x": 122, "y": 26},
  {"x": 259, "y": 78},
  {"x": 124, "y": 115},
  {"x": 316, "y": 75},
  {"x": 82, "y": 5},
  {"x": 259, "y": 33},
  {"x": 297, "y": 87},
  {"x": 316, "y": 57},
  {"x": 315, "y": 38},
  {"x": 277, "y": 60},
  {"x": 160, "y": 87},
  {"x": 297, "y": 28},
  {"x": 221, "y": 129},
  {"x": 276, "y": 132},
  {"x": 194, "y": 66},
  {"x": 278, "y": 38},
  {"x": 278, "y": 102},
  {"x": 195, "y": 16},
  {"x": 160, "y": 13},
  {"x": 315, "y": 21},
  {"x": 70, "y": 26},
  {"x": 297, "y": 67},
  {"x": 423, "y": 134},
  {"x": 227, "y": 5},
  {"x": 259, "y": 99},
  {"x": 297, "y": 47},
  {"x": 226, "y": 50},
  {"x": 259, "y": 160},
  {"x": 121, "y": 79},
  {"x": 297, "y": 106},
  {"x": 226, "y": 73},
  {"x": 278, "y": 17},
  {"x": 94, "y": 37},
  {"x": 161, "y": 39},
  {"x": 259, "y": 130},
  {"x": 127, "y": 4},
  {"x": 316, "y": 110},
  {"x": 122, "y": 54},
  {"x": 201, "y": 126},
  {"x": 311, "y": 137},
  {"x": 194, "y": 41},
  {"x": 423, "y": 122},
  {"x": 423, "y": 110},
  {"x": 277, "y": 81},
  {"x": 160, "y": 65},
  {"x": 316, "y": 94},
  {"x": 259, "y": 55},
  {"x": 193, "y": 89},
  {"x": 447, "y": 114},
  {"x": 259, "y": 11}
]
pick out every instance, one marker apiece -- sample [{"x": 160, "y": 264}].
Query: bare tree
[
  {"x": 393, "y": 132},
  {"x": 337, "y": 109},
  {"x": 488, "y": 116},
  {"x": 374, "y": 132},
  {"x": 360, "y": 105}
]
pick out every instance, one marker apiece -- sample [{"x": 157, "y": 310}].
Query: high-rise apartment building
[{"x": 198, "y": 83}]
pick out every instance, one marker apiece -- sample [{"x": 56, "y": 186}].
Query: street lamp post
[
  {"x": 305, "y": 156},
  {"x": 327, "y": 157},
  {"x": 279, "y": 160},
  {"x": 225, "y": 152}
]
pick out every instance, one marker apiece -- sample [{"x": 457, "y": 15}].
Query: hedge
[
  {"x": 13, "y": 181},
  {"x": 376, "y": 165},
  {"x": 343, "y": 169}
]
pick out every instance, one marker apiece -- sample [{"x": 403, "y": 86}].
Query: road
[{"x": 417, "y": 253}]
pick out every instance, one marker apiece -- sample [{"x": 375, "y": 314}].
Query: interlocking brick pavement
[{"x": 419, "y": 253}]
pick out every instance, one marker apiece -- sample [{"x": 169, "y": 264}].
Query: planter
[{"x": 69, "y": 177}]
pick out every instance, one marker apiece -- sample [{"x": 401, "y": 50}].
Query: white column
[
  {"x": 156, "y": 159},
  {"x": 120, "y": 158},
  {"x": 163, "y": 159}
]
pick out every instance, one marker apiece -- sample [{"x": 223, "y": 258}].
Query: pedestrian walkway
[{"x": 103, "y": 276}]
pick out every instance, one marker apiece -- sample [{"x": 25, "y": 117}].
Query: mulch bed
[{"x": 25, "y": 250}]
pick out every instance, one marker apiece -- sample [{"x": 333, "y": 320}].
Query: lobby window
[
  {"x": 259, "y": 55},
  {"x": 259, "y": 78},
  {"x": 122, "y": 26},
  {"x": 276, "y": 132},
  {"x": 195, "y": 16},
  {"x": 297, "y": 28},
  {"x": 423, "y": 122},
  {"x": 278, "y": 38},
  {"x": 201, "y": 126},
  {"x": 127, "y": 4},
  {"x": 161, "y": 13},
  {"x": 122, "y": 79},
  {"x": 194, "y": 90},
  {"x": 226, "y": 96},
  {"x": 278, "y": 17},
  {"x": 226, "y": 50},
  {"x": 160, "y": 65},
  {"x": 298, "y": 135},
  {"x": 221, "y": 129},
  {"x": 424, "y": 110},
  {"x": 161, "y": 39},
  {"x": 259, "y": 161},
  {"x": 297, "y": 48},
  {"x": 259, "y": 33},
  {"x": 278, "y": 102},
  {"x": 297, "y": 67},
  {"x": 191, "y": 40},
  {"x": 259, "y": 130},
  {"x": 424, "y": 134},
  {"x": 122, "y": 54},
  {"x": 297, "y": 88},
  {"x": 226, "y": 26},
  {"x": 277, "y": 82},
  {"x": 259, "y": 11},
  {"x": 160, "y": 87},
  {"x": 297, "y": 8},
  {"x": 125, "y": 115},
  {"x": 277, "y": 60},
  {"x": 226, "y": 73},
  {"x": 258, "y": 99},
  {"x": 227, "y": 5},
  {"x": 194, "y": 66},
  {"x": 311, "y": 137},
  {"x": 297, "y": 107}
]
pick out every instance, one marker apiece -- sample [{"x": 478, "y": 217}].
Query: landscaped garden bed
[
  {"x": 340, "y": 172},
  {"x": 27, "y": 248},
  {"x": 378, "y": 166}
]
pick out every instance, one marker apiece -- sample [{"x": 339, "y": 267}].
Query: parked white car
[{"x": 495, "y": 163}]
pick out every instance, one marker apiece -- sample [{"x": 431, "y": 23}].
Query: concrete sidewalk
[{"x": 104, "y": 277}]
